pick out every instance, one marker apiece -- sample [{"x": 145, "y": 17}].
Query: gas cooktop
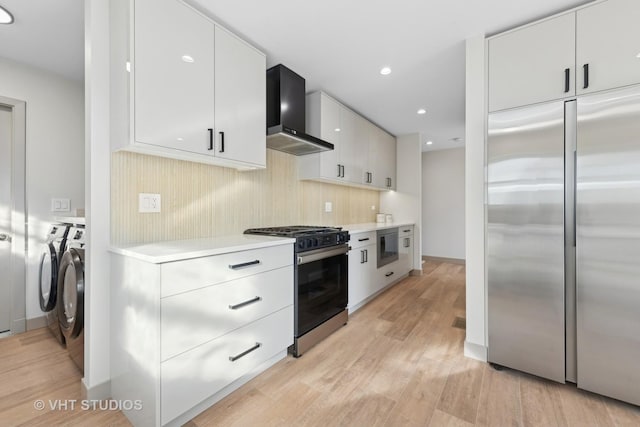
[
  {"x": 293, "y": 230},
  {"x": 308, "y": 237}
]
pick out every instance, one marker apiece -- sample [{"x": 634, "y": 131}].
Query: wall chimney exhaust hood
[{"x": 286, "y": 114}]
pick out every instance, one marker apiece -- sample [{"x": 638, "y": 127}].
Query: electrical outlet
[
  {"x": 328, "y": 206},
  {"x": 148, "y": 203},
  {"x": 60, "y": 205}
]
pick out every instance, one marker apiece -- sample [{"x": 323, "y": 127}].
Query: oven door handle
[{"x": 319, "y": 254}]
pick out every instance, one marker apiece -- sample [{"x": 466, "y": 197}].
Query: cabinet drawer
[
  {"x": 183, "y": 276},
  {"x": 362, "y": 239},
  {"x": 406, "y": 231},
  {"x": 188, "y": 379},
  {"x": 388, "y": 274},
  {"x": 190, "y": 319}
]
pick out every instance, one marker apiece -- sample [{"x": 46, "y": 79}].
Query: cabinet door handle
[
  {"x": 363, "y": 240},
  {"x": 244, "y": 264},
  {"x": 366, "y": 255},
  {"x": 244, "y": 353},
  {"x": 566, "y": 79},
  {"x": 406, "y": 231},
  {"x": 585, "y": 71},
  {"x": 221, "y": 142},
  {"x": 361, "y": 257},
  {"x": 389, "y": 274},
  {"x": 406, "y": 242},
  {"x": 210, "y": 139},
  {"x": 245, "y": 303},
  {"x": 339, "y": 171},
  {"x": 342, "y": 166}
]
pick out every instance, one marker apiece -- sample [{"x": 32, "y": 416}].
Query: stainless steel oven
[
  {"x": 322, "y": 293},
  {"x": 321, "y": 279},
  {"x": 387, "y": 246}
]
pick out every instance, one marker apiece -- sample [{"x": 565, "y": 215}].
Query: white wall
[
  {"x": 54, "y": 153},
  {"x": 404, "y": 203},
  {"x": 475, "y": 131},
  {"x": 443, "y": 203}
]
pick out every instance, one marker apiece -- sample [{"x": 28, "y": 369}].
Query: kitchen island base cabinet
[{"x": 176, "y": 381}]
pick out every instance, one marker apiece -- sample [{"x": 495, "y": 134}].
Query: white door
[
  {"x": 6, "y": 132},
  {"x": 174, "y": 83},
  {"x": 347, "y": 153},
  {"x": 330, "y": 131},
  {"x": 240, "y": 100},
  {"x": 607, "y": 43}
]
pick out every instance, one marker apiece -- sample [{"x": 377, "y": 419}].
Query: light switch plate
[
  {"x": 328, "y": 206},
  {"x": 148, "y": 203},
  {"x": 60, "y": 205}
]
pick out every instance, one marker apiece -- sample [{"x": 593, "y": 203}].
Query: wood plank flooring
[{"x": 399, "y": 362}]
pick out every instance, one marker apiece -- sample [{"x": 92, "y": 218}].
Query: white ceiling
[
  {"x": 47, "y": 34},
  {"x": 339, "y": 46}
]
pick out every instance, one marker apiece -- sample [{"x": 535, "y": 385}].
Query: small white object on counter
[{"x": 371, "y": 226}]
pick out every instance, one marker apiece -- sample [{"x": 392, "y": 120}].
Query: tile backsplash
[{"x": 200, "y": 200}]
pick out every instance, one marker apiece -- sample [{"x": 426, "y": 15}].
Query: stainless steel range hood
[{"x": 286, "y": 114}]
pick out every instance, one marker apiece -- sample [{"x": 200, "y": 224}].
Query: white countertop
[
  {"x": 176, "y": 250},
  {"x": 372, "y": 226}
]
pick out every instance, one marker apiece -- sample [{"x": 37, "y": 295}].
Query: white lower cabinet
[
  {"x": 366, "y": 280},
  {"x": 405, "y": 249},
  {"x": 187, "y": 332},
  {"x": 195, "y": 375},
  {"x": 362, "y": 272}
]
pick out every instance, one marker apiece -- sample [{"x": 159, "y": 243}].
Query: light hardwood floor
[{"x": 398, "y": 362}]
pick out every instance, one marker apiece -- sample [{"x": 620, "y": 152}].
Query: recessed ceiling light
[
  {"x": 337, "y": 129},
  {"x": 5, "y": 16},
  {"x": 385, "y": 71},
  {"x": 422, "y": 111},
  {"x": 638, "y": 55},
  {"x": 429, "y": 142},
  {"x": 188, "y": 58}
]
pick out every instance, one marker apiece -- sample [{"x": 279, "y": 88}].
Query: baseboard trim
[
  {"x": 443, "y": 259},
  {"x": 475, "y": 351},
  {"x": 19, "y": 326},
  {"x": 36, "y": 323},
  {"x": 416, "y": 272},
  {"x": 101, "y": 391}
]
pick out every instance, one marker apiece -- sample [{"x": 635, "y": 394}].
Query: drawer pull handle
[
  {"x": 406, "y": 231},
  {"x": 363, "y": 240},
  {"x": 244, "y": 353},
  {"x": 389, "y": 274},
  {"x": 244, "y": 264},
  {"x": 245, "y": 303}
]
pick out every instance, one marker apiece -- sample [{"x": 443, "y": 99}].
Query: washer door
[
  {"x": 71, "y": 292},
  {"x": 48, "y": 278}
]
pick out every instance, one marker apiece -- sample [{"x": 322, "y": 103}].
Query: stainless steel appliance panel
[
  {"x": 608, "y": 244},
  {"x": 525, "y": 240},
  {"x": 388, "y": 250}
]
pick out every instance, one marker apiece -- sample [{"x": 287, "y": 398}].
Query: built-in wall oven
[
  {"x": 321, "y": 279},
  {"x": 387, "y": 246}
]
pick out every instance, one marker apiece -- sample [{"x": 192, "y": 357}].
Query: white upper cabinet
[
  {"x": 532, "y": 64},
  {"x": 363, "y": 155},
  {"x": 608, "y": 45},
  {"x": 173, "y": 76},
  {"x": 590, "y": 49},
  {"x": 199, "y": 92},
  {"x": 383, "y": 164},
  {"x": 240, "y": 100}
]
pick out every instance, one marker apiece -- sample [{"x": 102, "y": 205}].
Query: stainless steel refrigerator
[{"x": 563, "y": 241}]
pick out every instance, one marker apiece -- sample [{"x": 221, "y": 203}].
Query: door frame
[{"x": 18, "y": 214}]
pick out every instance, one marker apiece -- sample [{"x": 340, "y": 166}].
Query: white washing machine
[
  {"x": 71, "y": 295},
  {"x": 54, "y": 247}
]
